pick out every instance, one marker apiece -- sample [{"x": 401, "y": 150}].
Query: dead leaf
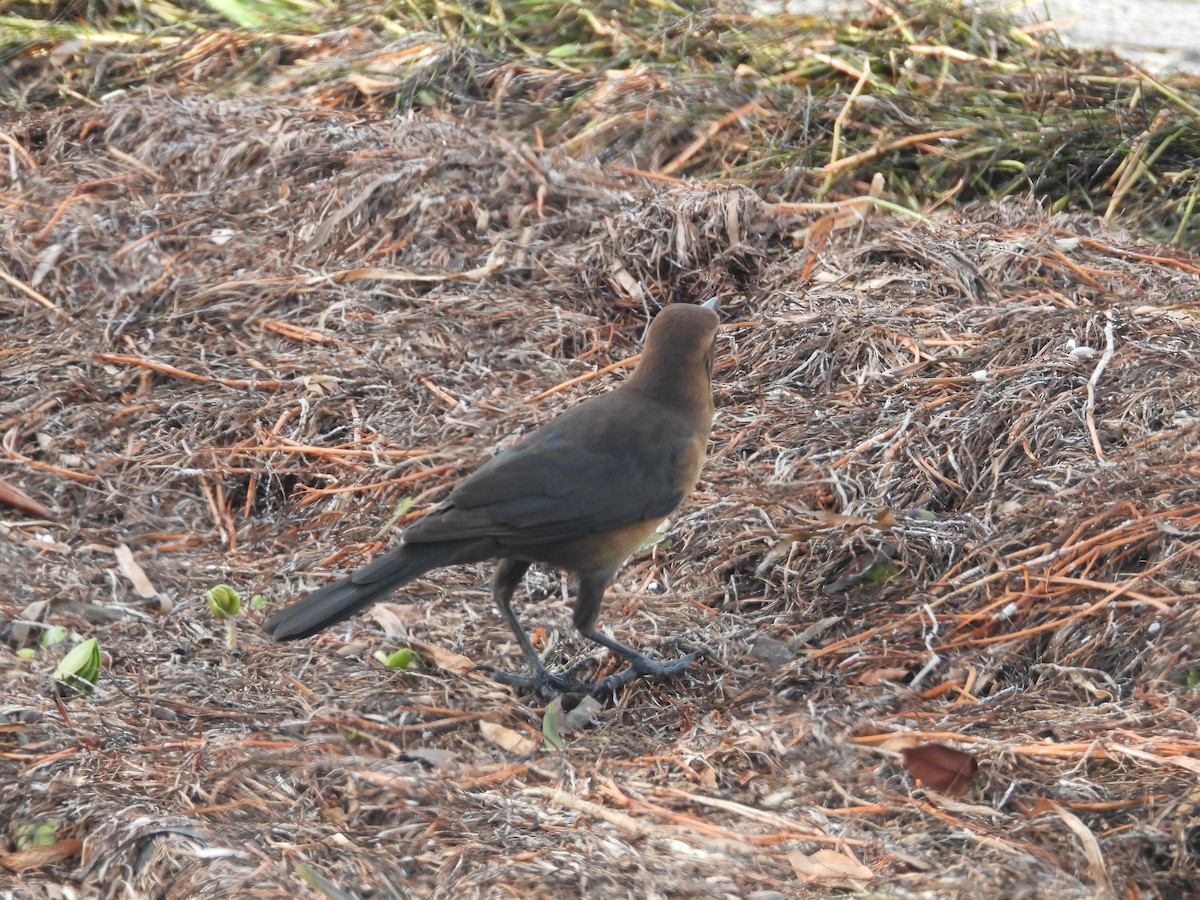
[
  {"x": 506, "y": 738},
  {"x": 134, "y": 572},
  {"x": 18, "y": 499},
  {"x": 873, "y": 677},
  {"x": 773, "y": 652},
  {"x": 941, "y": 768},
  {"x": 581, "y": 712},
  {"x": 320, "y": 385},
  {"x": 948, "y": 803},
  {"x": 36, "y": 857},
  {"x": 372, "y": 85},
  {"x": 899, "y": 742},
  {"x": 1092, "y": 852},
  {"x": 446, "y": 660},
  {"x": 830, "y": 869},
  {"x": 886, "y": 519},
  {"x": 780, "y": 550},
  {"x": 626, "y": 282},
  {"x": 46, "y": 261},
  {"x": 393, "y": 618},
  {"x": 442, "y": 760},
  {"x": 830, "y": 517}
]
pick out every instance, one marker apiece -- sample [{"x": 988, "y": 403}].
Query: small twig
[
  {"x": 838, "y": 124},
  {"x": 190, "y": 376},
  {"x": 682, "y": 157},
  {"x": 32, "y": 294},
  {"x": 287, "y": 446},
  {"x": 570, "y": 383},
  {"x": 137, "y": 164},
  {"x": 391, "y": 482},
  {"x": 438, "y": 392},
  {"x": 295, "y": 332},
  {"x": 46, "y": 467},
  {"x": 887, "y": 436},
  {"x": 1090, "y": 409},
  {"x": 19, "y": 150},
  {"x": 934, "y": 660},
  {"x": 1188, "y": 265},
  {"x": 880, "y": 149}
]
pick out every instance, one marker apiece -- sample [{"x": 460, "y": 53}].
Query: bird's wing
[{"x": 578, "y": 475}]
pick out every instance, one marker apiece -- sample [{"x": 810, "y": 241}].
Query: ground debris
[{"x": 251, "y": 341}]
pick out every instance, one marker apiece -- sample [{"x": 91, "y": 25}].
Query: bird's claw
[
  {"x": 545, "y": 683},
  {"x": 644, "y": 665},
  {"x": 550, "y": 685}
]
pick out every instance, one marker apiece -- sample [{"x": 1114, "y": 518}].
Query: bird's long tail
[{"x": 343, "y": 598}]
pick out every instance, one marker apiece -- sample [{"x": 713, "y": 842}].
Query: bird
[{"x": 579, "y": 494}]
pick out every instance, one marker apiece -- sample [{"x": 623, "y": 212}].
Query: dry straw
[{"x": 952, "y": 497}]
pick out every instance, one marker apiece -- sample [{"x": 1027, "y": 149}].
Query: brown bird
[{"x": 581, "y": 493}]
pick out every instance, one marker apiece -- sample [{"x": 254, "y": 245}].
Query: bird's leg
[
  {"x": 587, "y": 608},
  {"x": 509, "y": 573}
]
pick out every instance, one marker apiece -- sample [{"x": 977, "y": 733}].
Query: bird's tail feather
[{"x": 334, "y": 602}]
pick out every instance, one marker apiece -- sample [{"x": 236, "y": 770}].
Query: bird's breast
[{"x": 600, "y": 552}]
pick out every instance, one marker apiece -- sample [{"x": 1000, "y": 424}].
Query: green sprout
[
  {"x": 80, "y": 668},
  {"x": 552, "y": 725},
  {"x": 400, "y": 508},
  {"x": 225, "y": 604},
  {"x": 566, "y": 714},
  {"x": 400, "y": 659},
  {"x": 35, "y": 834}
]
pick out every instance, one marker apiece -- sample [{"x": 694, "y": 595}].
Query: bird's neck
[{"x": 672, "y": 386}]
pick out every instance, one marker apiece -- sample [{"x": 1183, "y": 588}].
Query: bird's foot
[
  {"x": 640, "y": 662},
  {"x": 542, "y": 681},
  {"x": 652, "y": 667},
  {"x": 645, "y": 667},
  {"x": 549, "y": 685}
]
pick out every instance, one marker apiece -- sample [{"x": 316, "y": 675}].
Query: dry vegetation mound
[{"x": 952, "y": 497}]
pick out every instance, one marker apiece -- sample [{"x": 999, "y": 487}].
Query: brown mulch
[{"x": 952, "y": 497}]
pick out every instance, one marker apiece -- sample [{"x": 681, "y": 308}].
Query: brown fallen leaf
[
  {"x": 18, "y": 499},
  {"x": 781, "y": 548},
  {"x": 831, "y": 869},
  {"x": 446, "y": 660},
  {"x": 135, "y": 573},
  {"x": 394, "y": 618},
  {"x": 940, "y": 768},
  {"x": 873, "y": 677},
  {"x": 36, "y": 857},
  {"x": 895, "y": 743},
  {"x": 507, "y": 739},
  {"x": 831, "y": 517},
  {"x": 885, "y": 520}
]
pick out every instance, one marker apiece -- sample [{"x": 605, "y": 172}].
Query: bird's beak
[{"x": 711, "y": 304}]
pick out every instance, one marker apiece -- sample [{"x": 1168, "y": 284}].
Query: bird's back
[{"x": 609, "y": 463}]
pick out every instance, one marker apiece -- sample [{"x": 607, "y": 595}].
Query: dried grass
[
  {"x": 950, "y": 102},
  {"x": 241, "y": 334}
]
